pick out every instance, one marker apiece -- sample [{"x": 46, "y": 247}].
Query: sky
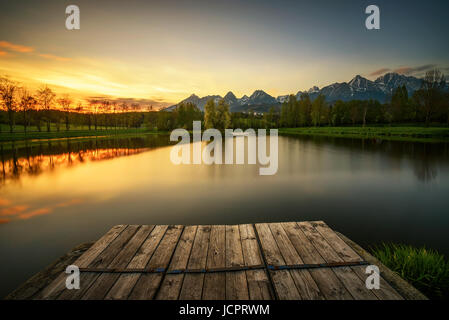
[{"x": 160, "y": 52}]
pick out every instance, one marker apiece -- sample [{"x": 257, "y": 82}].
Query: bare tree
[
  {"x": 46, "y": 98},
  {"x": 65, "y": 102},
  {"x": 430, "y": 94},
  {"x": 8, "y": 91},
  {"x": 26, "y": 102}
]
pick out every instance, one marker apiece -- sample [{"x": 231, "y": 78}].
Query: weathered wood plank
[
  {"x": 328, "y": 283},
  {"x": 105, "y": 281},
  {"x": 126, "y": 282},
  {"x": 258, "y": 282},
  {"x": 341, "y": 247},
  {"x": 385, "y": 291},
  {"x": 103, "y": 260},
  {"x": 283, "y": 282},
  {"x": 236, "y": 284},
  {"x": 171, "y": 286},
  {"x": 214, "y": 283},
  {"x": 305, "y": 284},
  {"x": 350, "y": 280},
  {"x": 192, "y": 286},
  {"x": 54, "y": 289},
  {"x": 148, "y": 283}
]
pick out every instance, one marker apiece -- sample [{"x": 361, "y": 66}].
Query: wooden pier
[{"x": 289, "y": 260}]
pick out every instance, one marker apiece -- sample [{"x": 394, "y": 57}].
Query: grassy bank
[
  {"x": 19, "y": 136},
  {"x": 425, "y": 269},
  {"x": 400, "y": 133}
]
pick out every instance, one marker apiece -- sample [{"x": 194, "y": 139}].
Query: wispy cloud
[
  {"x": 405, "y": 70},
  {"x": 11, "y": 211},
  {"x": 414, "y": 70},
  {"x": 15, "y": 47},
  {"x": 26, "y": 49},
  {"x": 379, "y": 72},
  {"x": 53, "y": 57},
  {"x": 4, "y": 202},
  {"x": 37, "y": 212}
]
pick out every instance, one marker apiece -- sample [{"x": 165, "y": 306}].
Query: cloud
[
  {"x": 15, "y": 47},
  {"x": 415, "y": 70},
  {"x": 53, "y": 57},
  {"x": 13, "y": 210},
  {"x": 4, "y": 202},
  {"x": 379, "y": 72},
  {"x": 3, "y": 221},
  {"x": 68, "y": 203},
  {"x": 156, "y": 103},
  {"x": 37, "y": 212},
  {"x": 25, "y": 49},
  {"x": 403, "y": 70}
]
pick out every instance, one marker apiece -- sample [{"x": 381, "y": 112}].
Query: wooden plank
[
  {"x": 328, "y": 283},
  {"x": 350, "y": 280},
  {"x": 215, "y": 282},
  {"x": 103, "y": 260},
  {"x": 148, "y": 283},
  {"x": 305, "y": 284},
  {"x": 171, "y": 286},
  {"x": 385, "y": 291},
  {"x": 320, "y": 244},
  {"x": 54, "y": 289},
  {"x": 192, "y": 286},
  {"x": 282, "y": 280},
  {"x": 341, "y": 247},
  {"x": 359, "y": 289},
  {"x": 105, "y": 281},
  {"x": 126, "y": 282},
  {"x": 258, "y": 282},
  {"x": 236, "y": 284}
]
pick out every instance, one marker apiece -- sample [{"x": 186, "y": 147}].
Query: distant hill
[{"x": 359, "y": 88}]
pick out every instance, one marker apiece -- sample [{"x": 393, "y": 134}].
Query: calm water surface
[{"x": 58, "y": 194}]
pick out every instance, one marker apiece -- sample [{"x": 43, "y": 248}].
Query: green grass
[
  {"x": 400, "y": 133},
  {"x": 19, "y": 136},
  {"x": 425, "y": 269}
]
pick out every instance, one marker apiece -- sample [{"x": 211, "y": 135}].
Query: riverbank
[
  {"x": 19, "y": 136},
  {"x": 397, "y": 133},
  {"x": 37, "y": 138}
]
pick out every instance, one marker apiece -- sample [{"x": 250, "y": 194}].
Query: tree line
[
  {"x": 428, "y": 104},
  {"x": 45, "y": 111}
]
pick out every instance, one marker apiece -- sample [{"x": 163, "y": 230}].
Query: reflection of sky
[{"x": 165, "y": 50}]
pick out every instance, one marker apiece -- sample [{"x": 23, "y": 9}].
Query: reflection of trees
[
  {"x": 45, "y": 156},
  {"x": 424, "y": 157}
]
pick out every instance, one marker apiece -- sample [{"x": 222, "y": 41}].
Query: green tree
[
  {"x": 223, "y": 116},
  {"x": 210, "y": 114},
  {"x": 318, "y": 111},
  {"x": 305, "y": 108}
]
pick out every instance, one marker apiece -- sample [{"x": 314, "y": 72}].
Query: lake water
[{"x": 58, "y": 194}]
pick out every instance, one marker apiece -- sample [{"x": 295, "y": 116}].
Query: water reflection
[
  {"x": 425, "y": 158},
  {"x": 37, "y": 158},
  {"x": 58, "y": 194}
]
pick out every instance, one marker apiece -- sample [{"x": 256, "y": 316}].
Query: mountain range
[{"x": 359, "y": 88}]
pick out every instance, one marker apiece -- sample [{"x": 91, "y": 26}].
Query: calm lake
[{"x": 58, "y": 194}]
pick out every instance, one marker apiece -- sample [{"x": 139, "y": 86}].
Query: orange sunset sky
[{"x": 160, "y": 52}]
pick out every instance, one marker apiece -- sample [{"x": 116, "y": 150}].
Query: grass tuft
[{"x": 426, "y": 269}]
